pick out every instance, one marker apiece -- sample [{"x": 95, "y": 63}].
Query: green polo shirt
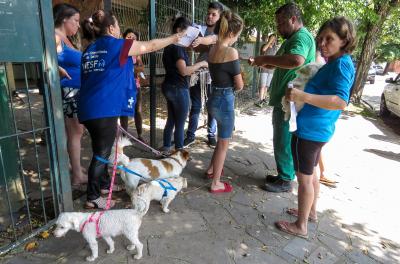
[{"x": 300, "y": 43}]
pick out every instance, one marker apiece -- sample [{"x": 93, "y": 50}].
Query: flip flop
[
  {"x": 295, "y": 212},
  {"x": 284, "y": 227},
  {"x": 328, "y": 182},
  {"x": 227, "y": 189},
  {"x": 211, "y": 175}
]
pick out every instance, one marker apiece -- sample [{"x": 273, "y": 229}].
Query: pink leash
[{"x": 92, "y": 219}]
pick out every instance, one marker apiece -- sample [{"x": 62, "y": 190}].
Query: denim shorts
[{"x": 221, "y": 106}]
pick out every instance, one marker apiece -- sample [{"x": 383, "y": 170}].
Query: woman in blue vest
[
  {"x": 324, "y": 98},
  {"x": 108, "y": 91},
  {"x": 66, "y": 22},
  {"x": 176, "y": 87}
]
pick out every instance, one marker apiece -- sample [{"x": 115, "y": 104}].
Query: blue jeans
[
  {"x": 195, "y": 97},
  {"x": 221, "y": 105},
  {"x": 178, "y": 109}
]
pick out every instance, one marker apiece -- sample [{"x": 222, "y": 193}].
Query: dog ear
[{"x": 185, "y": 154}]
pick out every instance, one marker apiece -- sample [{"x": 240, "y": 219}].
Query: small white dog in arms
[
  {"x": 159, "y": 190},
  {"x": 149, "y": 169},
  {"x": 304, "y": 74},
  {"x": 110, "y": 224}
]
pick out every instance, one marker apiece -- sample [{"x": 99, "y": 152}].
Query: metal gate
[
  {"x": 136, "y": 14},
  {"x": 34, "y": 176}
]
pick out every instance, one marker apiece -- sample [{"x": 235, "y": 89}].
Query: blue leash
[
  {"x": 166, "y": 188},
  {"x": 118, "y": 167}
]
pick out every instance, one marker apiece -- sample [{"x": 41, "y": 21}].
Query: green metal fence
[{"x": 34, "y": 177}]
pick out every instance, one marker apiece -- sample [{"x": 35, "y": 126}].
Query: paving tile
[
  {"x": 322, "y": 256},
  {"x": 299, "y": 248}
]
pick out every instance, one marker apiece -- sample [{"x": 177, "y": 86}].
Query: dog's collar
[{"x": 176, "y": 160}]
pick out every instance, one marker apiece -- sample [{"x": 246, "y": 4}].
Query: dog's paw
[
  {"x": 137, "y": 256},
  {"x": 90, "y": 258},
  {"x": 165, "y": 210},
  {"x": 130, "y": 247},
  {"x": 110, "y": 251}
]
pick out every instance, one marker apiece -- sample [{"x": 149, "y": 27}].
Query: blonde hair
[{"x": 228, "y": 23}]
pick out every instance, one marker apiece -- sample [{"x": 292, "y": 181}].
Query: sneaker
[
  {"x": 271, "y": 178},
  {"x": 260, "y": 103},
  {"x": 165, "y": 151},
  {"x": 278, "y": 186},
  {"x": 212, "y": 142},
  {"x": 187, "y": 142}
]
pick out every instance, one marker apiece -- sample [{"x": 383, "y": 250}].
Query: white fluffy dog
[
  {"x": 110, "y": 224},
  {"x": 304, "y": 74},
  {"x": 155, "y": 191},
  {"x": 149, "y": 169}
]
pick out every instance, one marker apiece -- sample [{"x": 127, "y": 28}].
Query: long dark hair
[
  {"x": 63, "y": 11},
  {"x": 97, "y": 25}
]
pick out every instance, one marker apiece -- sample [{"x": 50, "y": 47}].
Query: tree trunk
[{"x": 368, "y": 47}]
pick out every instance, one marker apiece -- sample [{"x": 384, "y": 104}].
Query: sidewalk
[{"x": 357, "y": 223}]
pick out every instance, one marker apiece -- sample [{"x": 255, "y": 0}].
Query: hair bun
[{"x": 227, "y": 14}]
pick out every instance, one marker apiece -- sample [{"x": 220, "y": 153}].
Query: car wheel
[{"x": 383, "y": 111}]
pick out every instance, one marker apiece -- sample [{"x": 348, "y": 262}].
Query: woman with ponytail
[
  {"x": 108, "y": 91},
  {"x": 224, "y": 68}
]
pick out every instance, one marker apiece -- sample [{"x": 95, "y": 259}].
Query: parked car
[
  {"x": 390, "y": 99},
  {"x": 371, "y": 75},
  {"x": 378, "y": 69}
]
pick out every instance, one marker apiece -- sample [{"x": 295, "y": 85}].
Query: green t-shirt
[{"x": 300, "y": 43}]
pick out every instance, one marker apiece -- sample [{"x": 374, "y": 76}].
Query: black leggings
[{"x": 102, "y": 132}]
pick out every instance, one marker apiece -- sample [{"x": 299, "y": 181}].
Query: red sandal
[{"x": 227, "y": 189}]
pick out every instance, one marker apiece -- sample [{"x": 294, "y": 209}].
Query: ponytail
[
  {"x": 228, "y": 23},
  {"x": 98, "y": 24}
]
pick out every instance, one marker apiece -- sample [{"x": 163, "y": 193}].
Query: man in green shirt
[{"x": 297, "y": 50}]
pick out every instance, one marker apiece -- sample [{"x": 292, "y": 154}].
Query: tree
[
  {"x": 381, "y": 9},
  {"x": 377, "y": 23}
]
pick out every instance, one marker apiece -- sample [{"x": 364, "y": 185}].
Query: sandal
[
  {"x": 211, "y": 175},
  {"x": 328, "y": 182},
  {"x": 295, "y": 212},
  {"x": 99, "y": 203},
  {"x": 227, "y": 189},
  {"x": 116, "y": 188},
  {"x": 284, "y": 227}
]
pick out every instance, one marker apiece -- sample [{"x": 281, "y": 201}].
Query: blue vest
[
  {"x": 108, "y": 85},
  {"x": 70, "y": 60}
]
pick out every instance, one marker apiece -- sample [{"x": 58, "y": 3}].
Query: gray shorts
[{"x": 265, "y": 79}]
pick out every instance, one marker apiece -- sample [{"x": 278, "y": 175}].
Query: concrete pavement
[{"x": 357, "y": 222}]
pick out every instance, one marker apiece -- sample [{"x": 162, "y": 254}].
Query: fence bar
[
  {"x": 153, "y": 88},
  {"x": 34, "y": 142}
]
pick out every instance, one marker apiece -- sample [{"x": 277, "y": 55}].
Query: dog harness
[
  {"x": 166, "y": 188},
  {"x": 92, "y": 219}
]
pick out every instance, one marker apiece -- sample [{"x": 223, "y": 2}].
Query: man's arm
[{"x": 287, "y": 61}]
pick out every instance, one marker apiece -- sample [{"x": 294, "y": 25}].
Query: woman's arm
[
  {"x": 143, "y": 47},
  {"x": 188, "y": 70},
  {"x": 209, "y": 40},
  {"x": 238, "y": 82},
  {"x": 329, "y": 102}
]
